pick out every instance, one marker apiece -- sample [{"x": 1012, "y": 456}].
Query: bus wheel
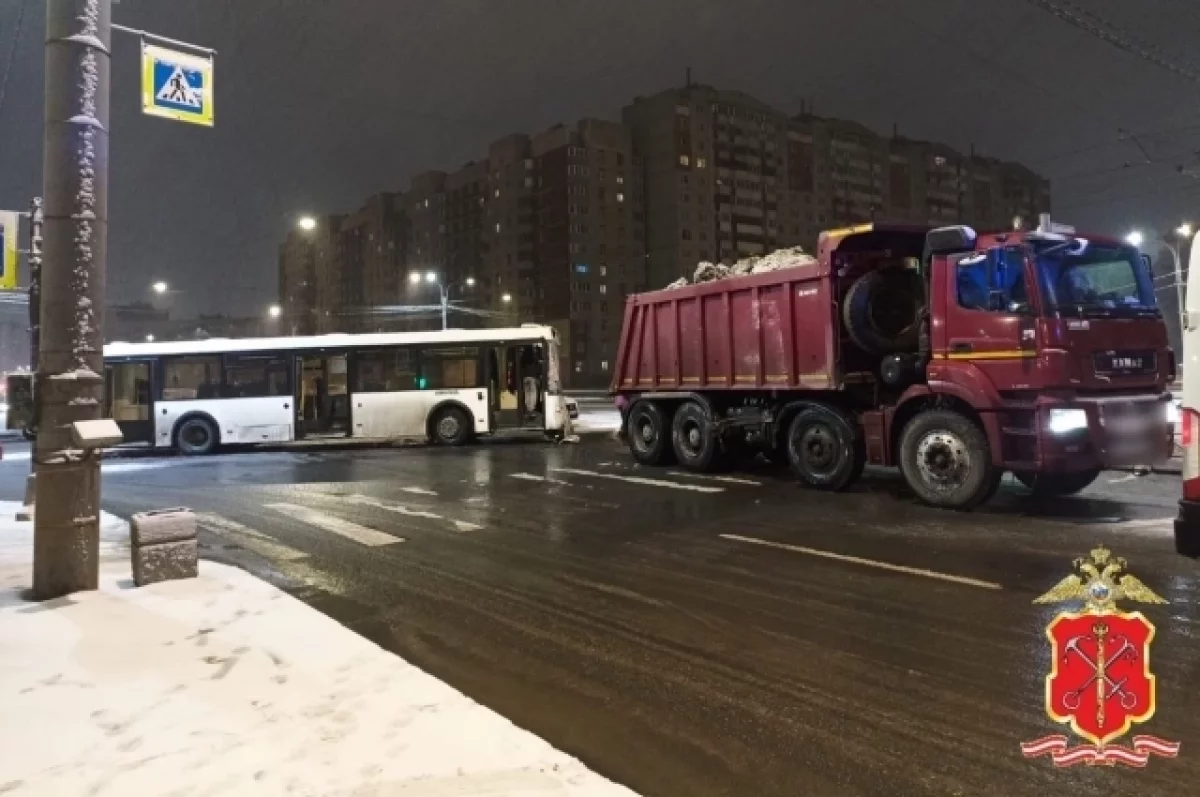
[
  {"x": 696, "y": 446},
  {"x": 450, "y": 427},
  {"x": 649, "y": 438},
  {"x": 1053, "y": 485},
  {"x": 946, "y": 460},
  {"x": 196, "y": 436},
  {"x": 824, "y": 449}
]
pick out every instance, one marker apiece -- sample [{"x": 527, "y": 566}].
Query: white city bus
[
  {"x": 1187, "y": 524},
  {"x": 446, "y": 386}
]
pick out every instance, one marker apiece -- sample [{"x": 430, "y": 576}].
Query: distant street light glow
[
  {"x": 149, "y": 338},
  {"x": 470, "y": 282},
  {"x": 274, "y": 311},
  {"x": 159, "y": 287},
  {"x": 506, "y": 298},
  {"x": 1134, "y": 238},
  {"x": 431, "y": 277},
  {"x": 414, "y": 278},
  {"x": 307, "y": 223},
  {"x": 1184, "y": 230}
]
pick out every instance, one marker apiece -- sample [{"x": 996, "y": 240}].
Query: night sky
[{"x": 320, "y": 103}]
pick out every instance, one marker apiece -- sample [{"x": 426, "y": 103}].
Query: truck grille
[{"x": 1125, "y": 363}]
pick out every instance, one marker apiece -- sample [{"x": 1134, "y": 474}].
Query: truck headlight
[
  {"x": 1174, "y": 416},
  {"x": 1064, "y": 421}
]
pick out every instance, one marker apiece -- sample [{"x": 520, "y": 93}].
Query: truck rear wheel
[
  {"x": 1053, "y": 485},
  {"x": 946, "y": 460},
  {"x": 824, "y": 449},
  {"x": 649, "y": 437},
  {"x": 693, "y": 440}
]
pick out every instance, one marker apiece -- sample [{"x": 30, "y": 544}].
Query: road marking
[
  {"x": 1126, "y": 478},
  {"x": 841, "y": 557},
  {"x": 400, "y": 509},
  {"x": 249, "y": 538},
  {"x": 533, "y": 477},
  {"x": 696, "y": 488},
  {"x": 711, "y": 478},
  {"x": 1167, "y": 523},
  {"x": 344, "y": 528},
  {"x": 417, "y": 490}
]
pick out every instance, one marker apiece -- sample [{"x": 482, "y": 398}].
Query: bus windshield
[{"x": 1090, "y": 280}]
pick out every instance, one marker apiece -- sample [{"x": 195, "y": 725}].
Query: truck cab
[{"x": 1057, "y": 341}]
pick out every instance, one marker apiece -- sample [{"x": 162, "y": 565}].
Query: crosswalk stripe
[
  {"x": 697, "y": 488},
  {"x": 399, "y": 509},
  {"x": 533, "y": 477},
  {"x": 249, "y": 538},
  {"x": 344, "y": 528}
]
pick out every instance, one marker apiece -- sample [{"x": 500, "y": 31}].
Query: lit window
[
  {"x": 684, "y": 160},
  {"x": 581, "y": 268},
  {"x": 620, "y": 197},
  {"x": 497, "y": 193},
  {"x": 603, "y": 288},
  {"x": 604, "y": 365},
  {"x": 620, "y": 180},
  {"x": 700, "y": 163},
  {"x": 529, "y": 182},
  {"x": 603, "y": 270},
  {"x": 578, "y": 367},
  {"x": 497, "y": 226}
]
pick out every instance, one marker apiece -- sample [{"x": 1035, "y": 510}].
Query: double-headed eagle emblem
[{"x": 1100, "y": 583}]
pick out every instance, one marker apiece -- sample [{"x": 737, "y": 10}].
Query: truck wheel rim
[
  {"x": 448, "y": 426},
  {"x": 943, "y": 459},
  {"x": 692, "y": 438},
  {"x": 645, "y": 434},
  {"x": 818, "y": 449}
]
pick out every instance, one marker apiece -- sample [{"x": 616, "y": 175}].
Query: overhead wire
[{"x": 12, "y": 53}]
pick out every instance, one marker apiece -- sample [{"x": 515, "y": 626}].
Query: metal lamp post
[{"x": 433, "y": 278}]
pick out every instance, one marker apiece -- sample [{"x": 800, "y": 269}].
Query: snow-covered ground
[{"x": 225, "y": 685}]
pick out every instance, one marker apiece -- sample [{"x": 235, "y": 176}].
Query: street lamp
[
  {"x": 307, "y": 223},
  {"x": 1184, "y": 230},
  {"x": 160, "y": 287},
  {"x": 274, "y": 311},
  {"x": 149, "y": 338},
  {"x": 1134, "y": 238},
  {"x": 432, "y": 278}
]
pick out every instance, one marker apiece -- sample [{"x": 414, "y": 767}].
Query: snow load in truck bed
[{"x": 792, "y": 257}]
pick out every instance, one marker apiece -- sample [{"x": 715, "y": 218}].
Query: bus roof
[{"x": 335, "y": 341}]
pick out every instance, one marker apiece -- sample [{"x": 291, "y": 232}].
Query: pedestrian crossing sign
[{"x": 177, "y": 85}]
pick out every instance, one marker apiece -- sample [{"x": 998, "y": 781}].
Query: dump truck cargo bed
[{"x": 776, "y": 330}]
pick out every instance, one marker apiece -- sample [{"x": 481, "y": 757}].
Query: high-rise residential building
[
  {"x": 562, "y": 226},
  {"x": 590, "y": 250},
  {"x": 310, "y": 291},
  {"x": 371, "y": 246},
  {"x": 728, "y": 176}
]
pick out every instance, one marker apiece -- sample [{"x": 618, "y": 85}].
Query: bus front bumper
[{"x": 1187, "y": 529}]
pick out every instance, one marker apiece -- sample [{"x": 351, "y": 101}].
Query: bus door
[
  {"x": 128, "y": 399},
  {"x": 522, "y": 386},
  {"x": 322, "y": 399}
]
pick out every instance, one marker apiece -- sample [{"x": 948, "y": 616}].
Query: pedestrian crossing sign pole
[{"x": 177, "y": 85}]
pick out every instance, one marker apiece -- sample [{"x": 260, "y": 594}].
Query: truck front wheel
[
  {"x": 824, "y": 449},
  {"x": 1054, "y": 485},
  {"x": 946, "y": 460},
  {"x": 649, "y": 436}
]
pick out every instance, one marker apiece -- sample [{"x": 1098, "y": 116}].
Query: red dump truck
[{"x": 954, "y": 355}]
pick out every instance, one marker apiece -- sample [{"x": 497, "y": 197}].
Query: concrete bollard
[{"x": 163, "y": 545}]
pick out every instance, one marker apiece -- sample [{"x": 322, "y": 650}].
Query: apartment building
[
  {"x": 590, "y": 241},
  {"x": 370, "y": 265},
  {"x": 728, "y": 176},
  {"x": 310, "y": 289}
]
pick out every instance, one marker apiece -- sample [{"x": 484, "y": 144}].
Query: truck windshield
[{"x": 1103, "y": 281}]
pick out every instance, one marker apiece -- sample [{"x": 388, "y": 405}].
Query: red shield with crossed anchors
[{"x": 1100, "y": 680}]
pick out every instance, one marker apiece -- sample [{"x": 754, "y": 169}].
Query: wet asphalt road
[{"x": 649, "y": 628}]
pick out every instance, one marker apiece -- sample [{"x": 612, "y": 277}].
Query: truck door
[{"x": 989, "y": 316}]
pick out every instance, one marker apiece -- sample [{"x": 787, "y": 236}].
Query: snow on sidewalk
[{"x": 225, "y": 685}]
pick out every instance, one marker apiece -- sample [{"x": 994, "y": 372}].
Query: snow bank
[
  {"x": 792, "y": 257},
  {"x": 225, "y": 685}
]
